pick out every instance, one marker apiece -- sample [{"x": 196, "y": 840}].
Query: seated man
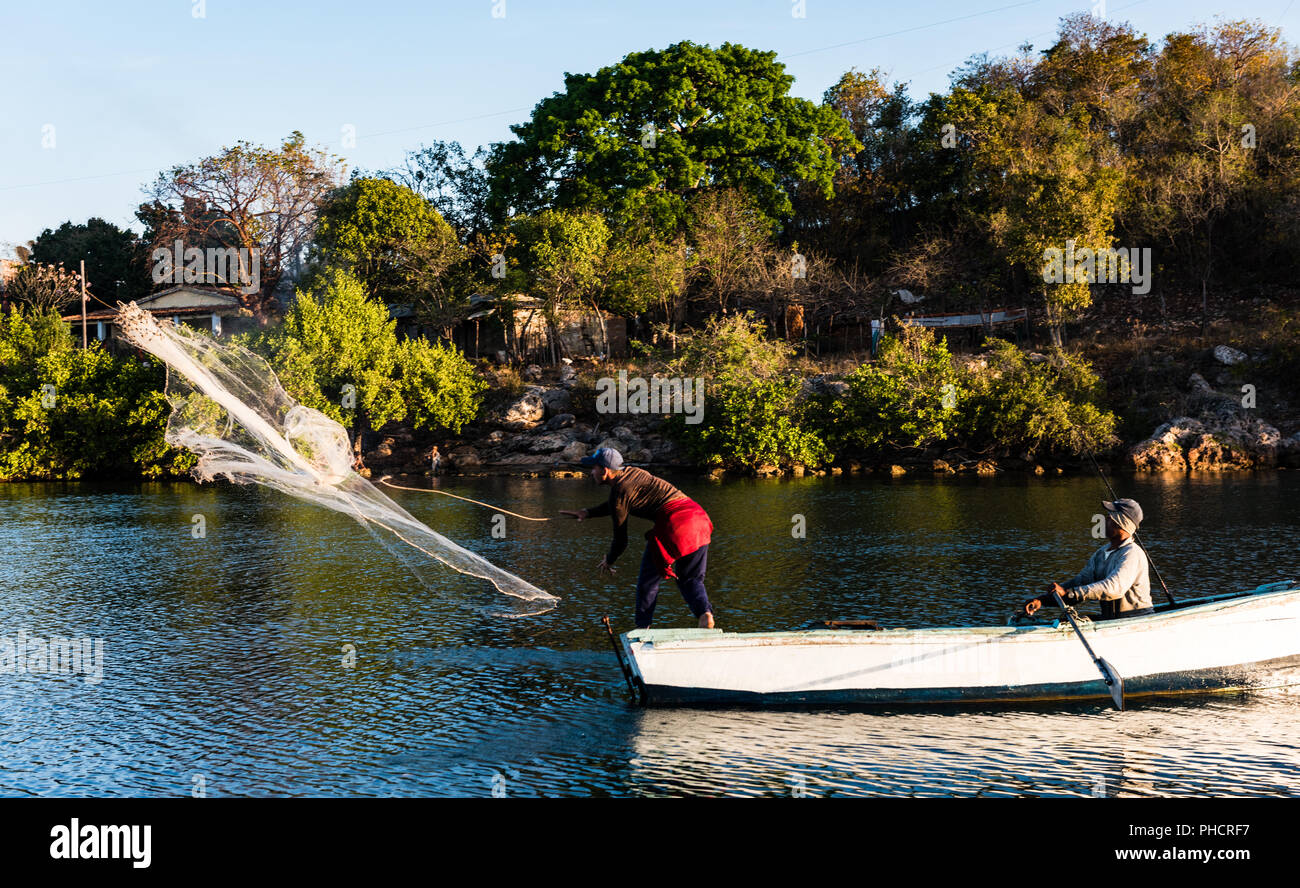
[{"x": 1116, "y": 574}]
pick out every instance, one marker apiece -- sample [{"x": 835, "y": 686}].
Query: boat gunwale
[{"x": 705, "y": 638}]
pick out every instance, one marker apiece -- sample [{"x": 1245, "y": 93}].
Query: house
[
  {"x": 209, "y": 308},
  {"x": 519, "y": 326}
]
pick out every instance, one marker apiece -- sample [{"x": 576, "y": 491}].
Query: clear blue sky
[{"x": 132, "y": 87}]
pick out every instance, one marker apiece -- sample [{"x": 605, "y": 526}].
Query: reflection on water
[{"x": 229, "y": 656}]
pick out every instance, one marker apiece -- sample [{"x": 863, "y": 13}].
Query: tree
[
  {"x": 390, "y": 238},
  {"x": 1038, "y": 185},
  {"x": 871, "y": 187},
  {"x": 643, "y": 270},
  {"x": 730, "y": 240},
  {"x": 660, "y": 126},
  {"x": 249, "y": 198},
  {"x": 44, "y": 287},
  {"x": 456, "y": 185},
  {"x": 116, "y": 267},
  {"x": 562, "y": 254},
  {"x": 337, "y": 352}
]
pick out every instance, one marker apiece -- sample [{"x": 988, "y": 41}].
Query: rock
[
  {"x": 837, "y": 470},
  {"x": 574, "y": 451},
  {"x": 522, "y": 459},
  {"x": 496, "y": 436},
  {"x": 567, "y": 373},
  {"x": 525, "y": 412},
  {"x": 623, "y": 433},
  {"x": 557, "y": 401},
  {"x": 941, "y": 467},
  {"x": 797, "y": 471},
  {"x": 385, "y": 447},
  {"x": 765, "y": 470},
  {"x": 639, "y": 456},
  {"x": 986, "y": 467},
  {"x": 897, "y": 470},
  {"x": 1210, "y": 444},
  {"x": 821, "y": 385},
  {"x": 465, "y": 457},
  {"x": 560, "y": 421},
  {"x": 1199, "y": 385},
  {"x": 533, "y": 372},
  {"x": 1226, "y": 354},
  {"x": 615, "y": 443},
  {"x": 586, "y": 432},
  {"x": 549, "y": 442},
  {"x": 1039, "y": 470}
]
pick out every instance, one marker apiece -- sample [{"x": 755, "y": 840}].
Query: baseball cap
[
  {"x": 1125, "y": 512},
  {"x": 605, "y": 456}
]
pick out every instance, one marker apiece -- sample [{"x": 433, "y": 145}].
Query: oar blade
[{"x": 1115, "y": 681}]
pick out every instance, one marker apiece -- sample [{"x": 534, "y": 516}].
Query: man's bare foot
[{"x": 706, "y": 621}]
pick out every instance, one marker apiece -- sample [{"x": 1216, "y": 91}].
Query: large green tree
[
  {"x": 116, "y": 267},
  {"x": 337, "y": 351},
  {"x": 389, "y": 237},
  {"x": 661, "y": 125}
]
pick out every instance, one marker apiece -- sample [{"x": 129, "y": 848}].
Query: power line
[
  {"x": 960, "y": 18},
  {"x": 1016, "y": 43},
  {"x": 517, "y": 110}
]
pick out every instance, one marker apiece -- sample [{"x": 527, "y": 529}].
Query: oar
[{"x": 1108, "y": 672}]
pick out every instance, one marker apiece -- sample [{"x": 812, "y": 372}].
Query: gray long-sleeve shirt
[{"x": 1118, "y": 578}]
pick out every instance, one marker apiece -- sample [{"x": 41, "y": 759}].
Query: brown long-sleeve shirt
[{"x": 634, "y": 492}]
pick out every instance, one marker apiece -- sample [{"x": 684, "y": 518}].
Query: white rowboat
[{"x": 1232, "y": 642}]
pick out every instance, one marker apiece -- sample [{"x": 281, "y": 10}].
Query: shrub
[
  {"x": 67, "y": 412},
  {"x": 908, "y": 398},
  {"x": 748, "y": 425},
  {"x": 1048, "y": 405}
]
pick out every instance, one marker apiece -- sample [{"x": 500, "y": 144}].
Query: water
[{"x": 224, "y": 665}]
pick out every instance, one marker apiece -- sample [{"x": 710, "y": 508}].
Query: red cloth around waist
[{"x": 681, "y": 527}]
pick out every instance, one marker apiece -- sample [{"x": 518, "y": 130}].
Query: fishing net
[{"x": 229, "y": 409}]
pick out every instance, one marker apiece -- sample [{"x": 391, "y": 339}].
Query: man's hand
[
  {"x": 605, "y": 567},
  {"x": 1058, "y": 589},
  {"x": 1032, "y": 606},
  {"x": 579, "y": 514}
]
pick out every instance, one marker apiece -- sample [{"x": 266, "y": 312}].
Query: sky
[{"x": 102, "y": 97}]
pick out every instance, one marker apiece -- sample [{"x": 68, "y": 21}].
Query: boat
[{"x": 1230, "y": 642}]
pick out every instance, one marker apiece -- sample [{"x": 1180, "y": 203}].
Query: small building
[
  {"x": 216, "y": 310},
  {"x": 520, "y": 327}
]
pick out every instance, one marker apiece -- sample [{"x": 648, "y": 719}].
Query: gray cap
[
  {"x": 605, "y": 456},
  {"x": 1124, "y": 512}
]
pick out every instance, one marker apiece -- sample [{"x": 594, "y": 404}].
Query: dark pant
[{"x": 690, "y": 579}]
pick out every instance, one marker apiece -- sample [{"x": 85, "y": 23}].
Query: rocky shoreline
[
  {"x": 1222, "y": 436},
  {"x": 541, "y": 432}
]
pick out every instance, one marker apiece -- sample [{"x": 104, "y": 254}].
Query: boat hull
[{"x": 1247, "y": 642}]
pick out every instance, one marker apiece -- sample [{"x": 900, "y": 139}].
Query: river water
[{"x": 282, "y": 652}]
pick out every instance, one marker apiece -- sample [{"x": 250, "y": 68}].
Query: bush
[
  {"x": 908, "y": 398},
  {"x": 69, "y": 413},
  {"x": 749, "y": 425},
  {"x": 1034, "y": 407},
  {"x": 334, "y": 336},
  {"x": 731, "y": 350},
  {"x": 753, "y": 410}
]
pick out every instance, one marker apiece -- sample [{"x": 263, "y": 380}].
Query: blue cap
[{"x": 605, "y": 456}]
